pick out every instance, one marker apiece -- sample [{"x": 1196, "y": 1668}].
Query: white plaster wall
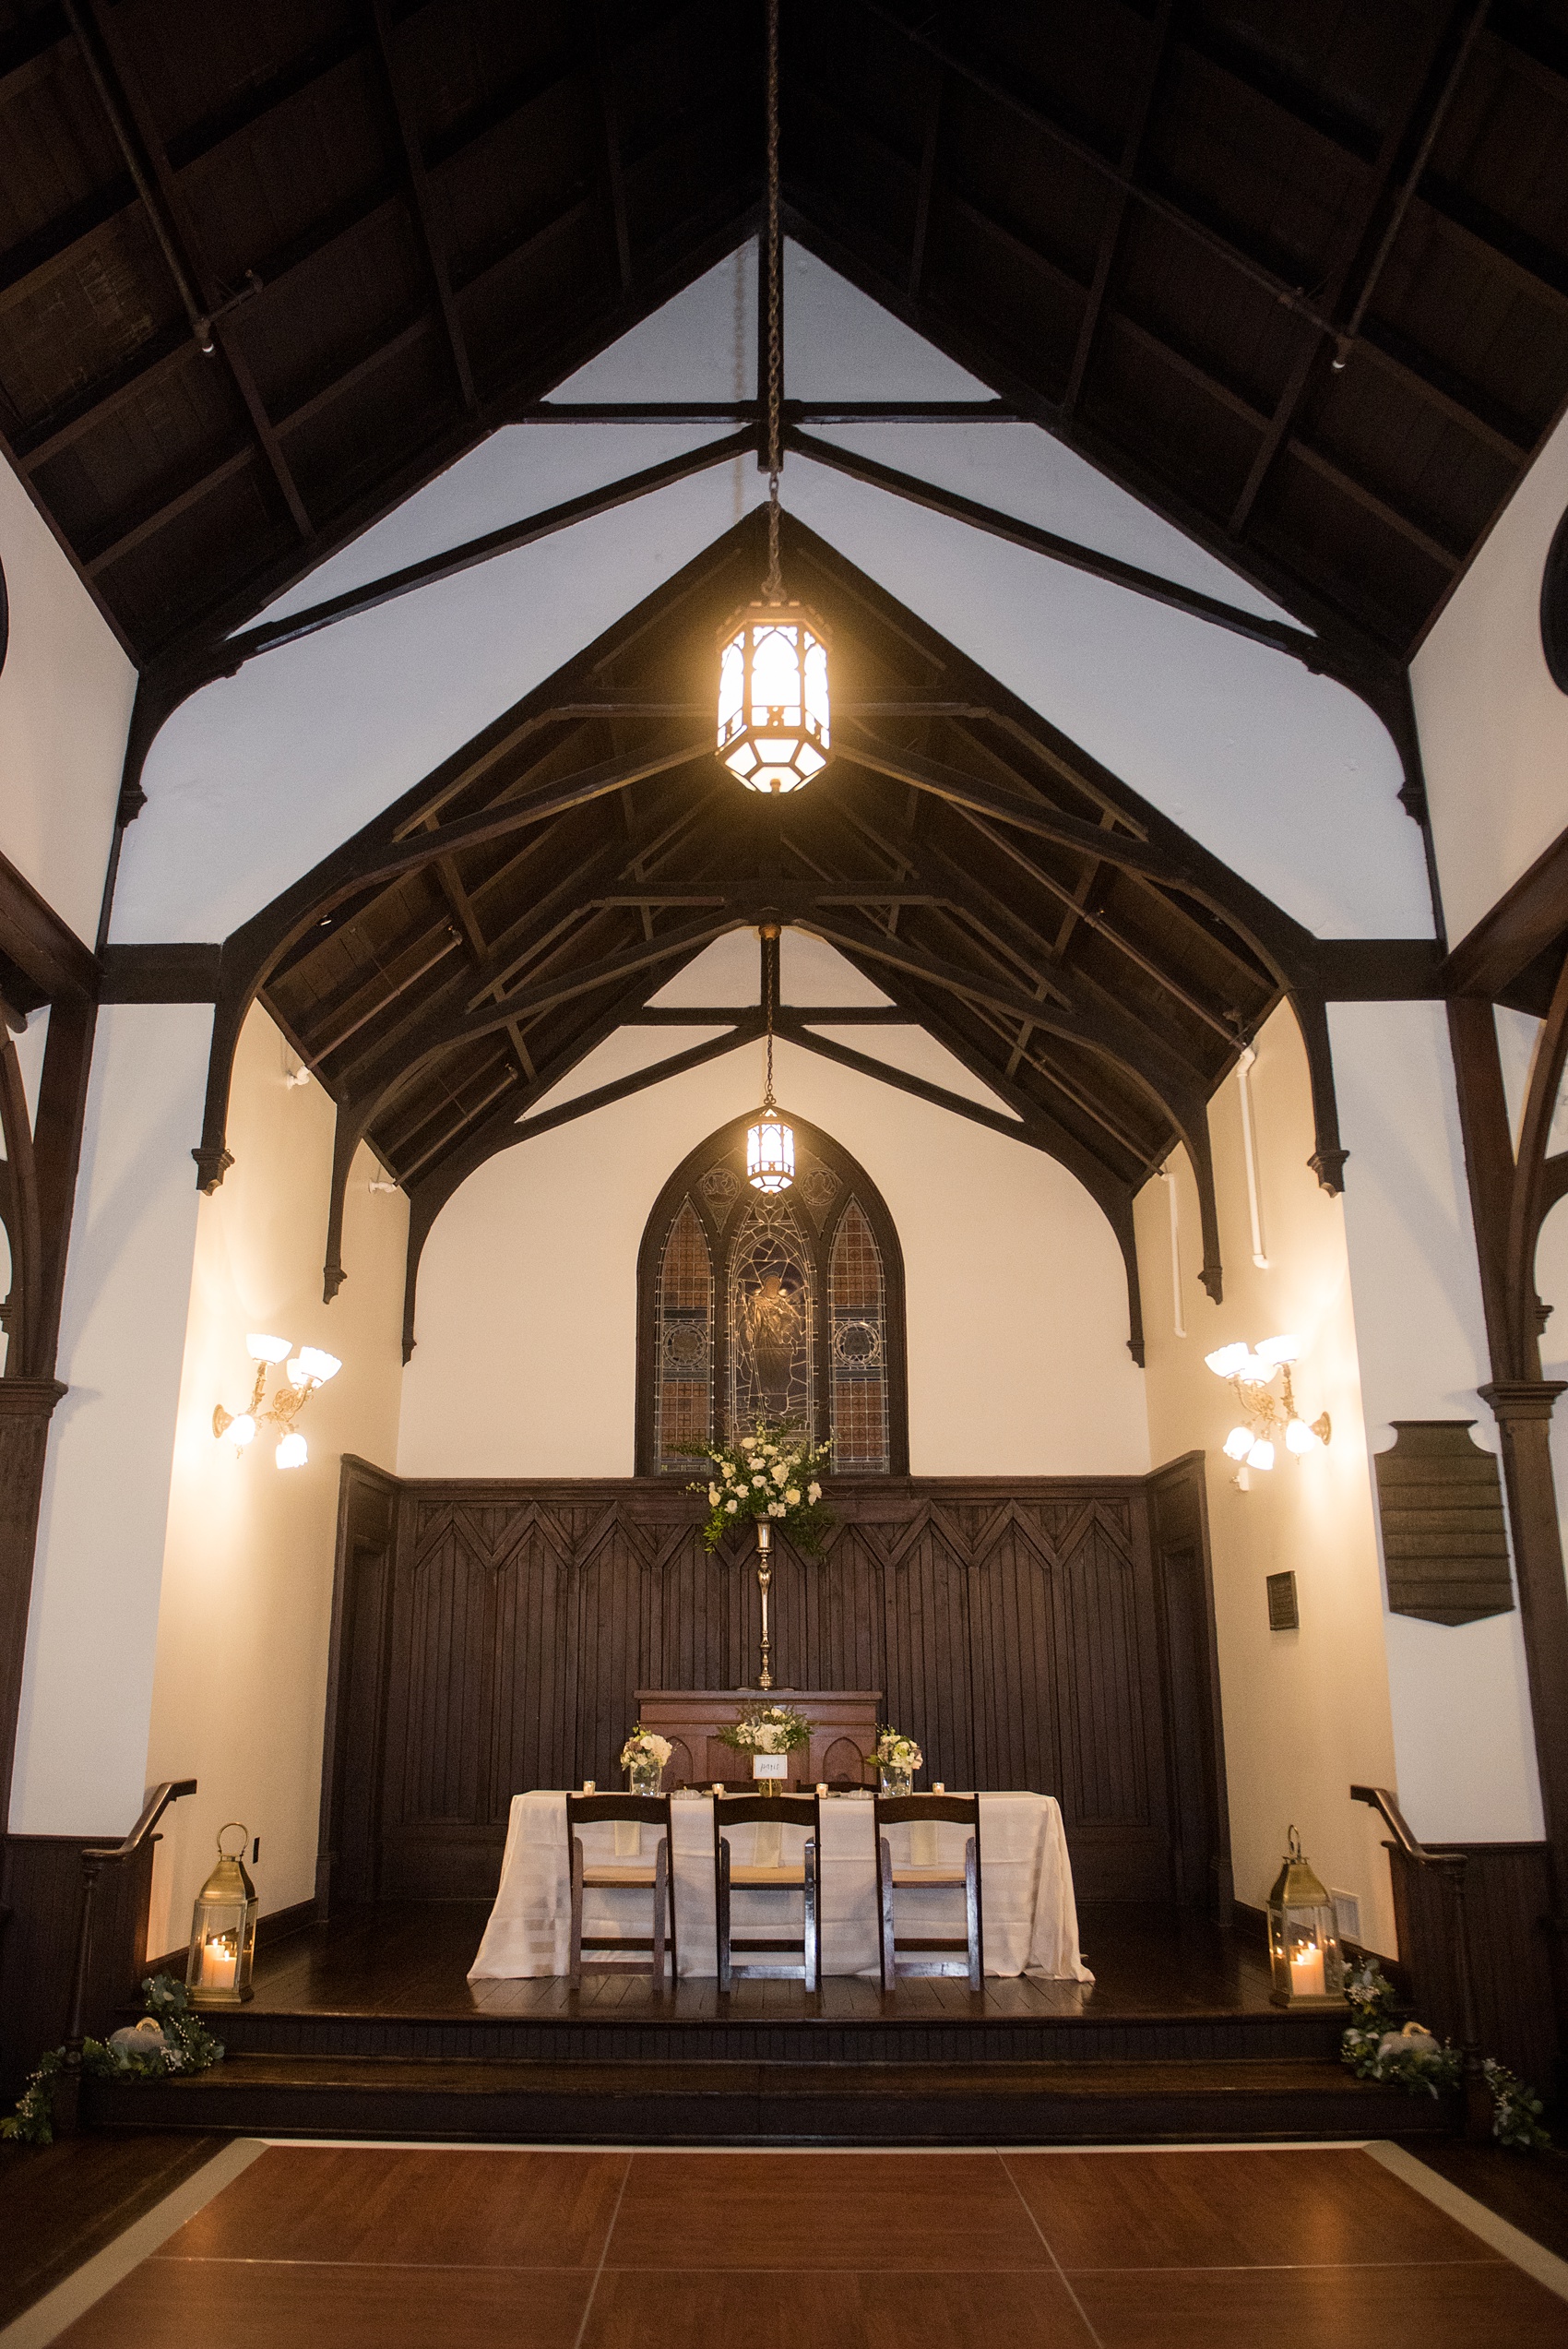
[
  {"x": 1307, "y": 1712},
  {"x": 243, "y": 1609},
  {"x": 1459, "y": 1695},
  {"x": 1493, "y": 727},
  {"x": 1016, "y": 1298},
  {"x": 81, "y": 1742},
  {"x": 65, "y": 695}
]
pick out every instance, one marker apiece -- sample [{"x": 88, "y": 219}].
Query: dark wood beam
[
  {"x": 745, "y": 1032},
  {"x": 1527, "y": 920},
  {"x": 742, "y": 411},
  {"x": 928, "y": 147},
  {"x": 1279, "y": 635},
  {"x": 605, "y": 89},
  {"x": 1117, "y": 200},
  {"x": 1417, "y": 112},
  {"x": 424, "y": 202}
]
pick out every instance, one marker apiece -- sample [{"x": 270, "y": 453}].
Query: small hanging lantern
[
  {"x": 770, "y": 1143},
  {"x": 1303, "y": 1937},
  {"x": 772, "y": 707},
  {"x": 223, "y": 1930},
  {"x": 773, "y": 701}
]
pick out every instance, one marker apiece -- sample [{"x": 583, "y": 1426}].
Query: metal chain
[
  {"x": 774, "y": 586},
  {"x": 767, "y": 1010}
]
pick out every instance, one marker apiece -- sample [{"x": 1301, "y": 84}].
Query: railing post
[
  {"x": 1454, "y": 1867},
  {"x": 67, "y": 2092}
]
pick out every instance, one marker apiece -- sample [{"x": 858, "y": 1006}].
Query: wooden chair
[
  {"x": 898, "y": 1810},
  {"x": 729, "y": 1876},
  {"x": 648, "y": 1810}
]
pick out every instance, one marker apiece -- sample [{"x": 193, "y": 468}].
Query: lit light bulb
[
  {"x": 261, "y": 1347},
  {"x": 292, "y": 1451},
  {"x": 1286, "y": 1349},
  {"x": 1262, "y": 1454},
  {"x": 1227, "y": 1362},
  {"x": 242, "y": 1429},
  {"x": 1301, "y": 1438},
  {"x": 1239, "y": 1443}
]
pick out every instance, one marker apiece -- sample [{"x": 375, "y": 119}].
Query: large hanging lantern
[
  {"x": 1303, "y": 1936},
  {"x": 773, "y": 702},
  {"x": 218, "y": 1972},
  {"x": 773, "y": 705}
]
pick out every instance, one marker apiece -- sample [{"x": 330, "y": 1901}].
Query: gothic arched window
[{"x": 784, "y": 1307}]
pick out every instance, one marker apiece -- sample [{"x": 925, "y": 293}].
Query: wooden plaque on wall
[{"x": 1444, "y": 1540}]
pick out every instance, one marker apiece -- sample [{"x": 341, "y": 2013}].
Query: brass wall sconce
[
  {"x": 1252, "y": 1372},
  {"x": 308, "y": 1369}
]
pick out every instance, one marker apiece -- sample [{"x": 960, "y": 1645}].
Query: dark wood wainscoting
[
  {"x": 1510, "y": 1911},
  {"x": 40, "y": 1906},
  {"x": 1049, "y": 1632}
]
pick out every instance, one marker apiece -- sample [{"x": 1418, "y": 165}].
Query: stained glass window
[
  {"x": 772, "y": 1318},
  {"x": 858, "y": 1309},
  {"x": 783, "y": 1306},
  {"x": 683, "y": 1375}
]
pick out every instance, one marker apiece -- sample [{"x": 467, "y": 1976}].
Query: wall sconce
[
  {"x": 309, "y": 1369},
  {"x": 1252, "y": 1373}
]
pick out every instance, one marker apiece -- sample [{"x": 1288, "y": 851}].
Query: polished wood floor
[
  {"x": 60, "y": 2204},
  {"x": 539, "y": 2250},
  {"x": 413, "y": 1961}
]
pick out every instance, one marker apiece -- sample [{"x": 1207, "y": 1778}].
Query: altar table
[{"x": 1029, "y": 1915}]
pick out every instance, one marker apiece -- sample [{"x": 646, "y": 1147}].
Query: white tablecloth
[{"x": 1027, "y": 1909}]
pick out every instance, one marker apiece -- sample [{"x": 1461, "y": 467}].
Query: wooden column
[
  {"x": 1523, "y": 1407},
  {"x": 25, "y": 1405}
]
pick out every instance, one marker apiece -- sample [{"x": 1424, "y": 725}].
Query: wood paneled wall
[
  {"x": 1511, "y": 1929},
  {"x": 40, "y": 1906},
  {"x": 1051, "y": 1633}
]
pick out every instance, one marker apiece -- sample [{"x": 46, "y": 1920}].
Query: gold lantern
[
  {"x": 772, "y": 707},
  {"x": 223, "y": 1929},
  {"x": 1303, "y": 1936}
]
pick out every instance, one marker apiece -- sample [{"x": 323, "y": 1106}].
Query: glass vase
[
  {"x": 644, "y": 1774},
  {"x": 896, "y": 1781}
]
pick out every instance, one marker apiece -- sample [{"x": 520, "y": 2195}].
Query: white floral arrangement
[
  {"x": 767, "y": 1729},
  {"x": 896, "y": 1752},
  {"x": 774, "y": 1473},
  {"x": 644, "y": 1746}
]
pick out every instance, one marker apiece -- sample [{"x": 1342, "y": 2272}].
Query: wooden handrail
[
  {"x": 153, "y": 1809},
  {"x": 95, "y": 1857},
  {"x": 1452, "y": 1867}
]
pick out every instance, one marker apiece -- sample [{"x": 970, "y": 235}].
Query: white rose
[
  {"x": 759, "y": 1480},
  {"x": 731, "y": 1507},
  {"x": 776, "y": 1509},
  {"x": 770, "y": 1451},
  {"x": 814, "y": 1492},
  {"x": 714, "y": 1496},
  {"x": 780, "y": 1473},
  {"x": 793, "y": 1495}
]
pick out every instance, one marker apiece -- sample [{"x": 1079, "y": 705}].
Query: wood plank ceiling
[{"x": 1154, "y": 229}]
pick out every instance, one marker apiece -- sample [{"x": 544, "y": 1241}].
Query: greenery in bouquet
[
  {"x": 647, "y": 1746},
  {"x": 895, "y": 1751},
  {"x": 1412, "y": 2059},
  {"x": 170, "y": 2038},
  {"x": 767, "y": 1729},
  {"x": 774, "y": 1473}
]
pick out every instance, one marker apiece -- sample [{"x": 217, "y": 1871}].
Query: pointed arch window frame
[{"x": 724, "y": 1144}]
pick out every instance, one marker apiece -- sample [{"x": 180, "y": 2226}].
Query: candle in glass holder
[
  {"x": 939, "y": 1787},
  {"x": 588, "y": 1785},
  {"x": 821, "y": 1786},
  {"x": 220, "y": 1956},
  {"x": 718, "y": 1786},
  {"x": 1306, "y": 1971}
]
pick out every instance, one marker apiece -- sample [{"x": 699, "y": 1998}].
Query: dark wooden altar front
[
  {"x": 844, "y": 1724},
  {"x": 1047, "y": 1632}
]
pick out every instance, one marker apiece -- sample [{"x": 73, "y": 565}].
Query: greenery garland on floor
[
  {"x": 179, "y": 2042},
  {"x": 1413, "y": 2059}
]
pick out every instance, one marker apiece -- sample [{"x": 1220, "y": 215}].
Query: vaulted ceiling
[
  {"x": 446, "y": 968},
  {"x": 1154, "y": 230}
]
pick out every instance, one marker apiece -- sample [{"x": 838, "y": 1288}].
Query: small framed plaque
[
  {"x": 1283, "y": 1612},
  {"x": 770, "y": 1765}
]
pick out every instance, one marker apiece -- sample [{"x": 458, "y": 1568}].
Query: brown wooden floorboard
[
  {"x": 1530, "y": 2190},
  {"x": 63, "y": 2203},
  {"x": 944, "y": 2251}
]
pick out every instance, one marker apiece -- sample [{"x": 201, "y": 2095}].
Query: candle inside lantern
[
  {"x": 220, "y": 1956},
  {"x": 1306, "y": 1971}
]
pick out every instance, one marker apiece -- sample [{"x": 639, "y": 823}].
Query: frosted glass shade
[
  {"x": 292, "y": 1451},
  {"x": 770, "y": 1154},
  {"x": 262, "y": 1348}
]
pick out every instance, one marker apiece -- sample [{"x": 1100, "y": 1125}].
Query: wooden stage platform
[{"x": 368, "y": 2027}]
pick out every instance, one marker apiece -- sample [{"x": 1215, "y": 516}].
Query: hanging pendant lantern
[
  {"x": 774, "y": 729},
  {"x": 770, "y": 1143},
  {"x": 772, "y": 707}
]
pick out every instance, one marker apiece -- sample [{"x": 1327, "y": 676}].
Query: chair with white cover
[
  {"x": 619, "y": 1874},
  {"x": 929, "y": 1954},
  {"x": 732, "y": 1876}
]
